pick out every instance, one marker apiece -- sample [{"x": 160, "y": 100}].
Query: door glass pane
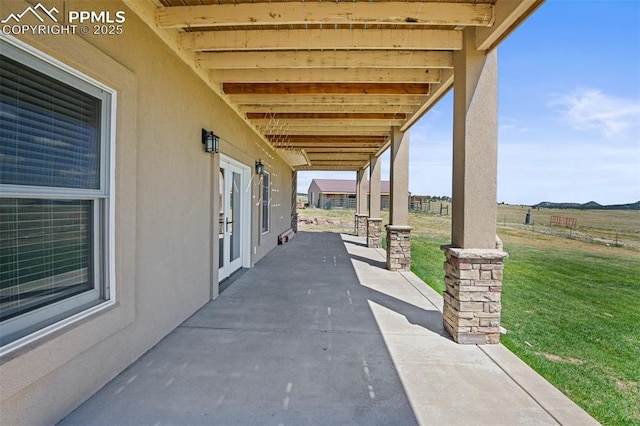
[
  {"x": 235, "y": 216},
  {"x": 221, "y": 220}
]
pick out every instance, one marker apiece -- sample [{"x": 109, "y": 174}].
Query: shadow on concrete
[
  {"x": 315, "y": 335},
  {"x": 293, "y": 341},
  {"x": 428, "y": 319},
  {"x": 355, "y": 243},
  {"x": 371, "y": 262}
]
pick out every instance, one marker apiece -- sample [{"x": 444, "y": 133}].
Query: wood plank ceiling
[{"x": 329, "y": 80}]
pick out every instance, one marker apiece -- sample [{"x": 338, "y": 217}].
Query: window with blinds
[
  {"x": 49, "y": 131},
  {"x": 45, "y": 252},
  {"x": 54, "y": 194}
]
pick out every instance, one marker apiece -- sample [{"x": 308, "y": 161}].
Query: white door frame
[{"x": 245, "y": 215}]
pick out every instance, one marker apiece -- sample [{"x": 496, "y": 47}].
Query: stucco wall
[{"x": 165, "y": 184}]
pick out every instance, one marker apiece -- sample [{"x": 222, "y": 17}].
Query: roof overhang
[{"x": 324, "y": 83}]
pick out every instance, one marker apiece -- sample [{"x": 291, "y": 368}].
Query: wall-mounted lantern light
[
  {"x": 259, "y": 167},
  {"x": 210, "y": 141}
]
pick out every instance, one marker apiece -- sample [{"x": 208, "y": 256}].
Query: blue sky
[{"x": 569, "y": 111}]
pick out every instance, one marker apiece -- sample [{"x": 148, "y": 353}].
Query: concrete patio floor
[{"x": 319, "y": 333}]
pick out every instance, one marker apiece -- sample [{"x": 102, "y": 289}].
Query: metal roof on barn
[{"x": 344, "y": 186}]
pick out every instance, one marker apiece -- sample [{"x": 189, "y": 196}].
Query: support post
[
  {"x": 398, "y": 230},
  {"x": 473, "y": 266},
  {"x": 374, "y": 222},
  {"x": 361, "y": 204}
]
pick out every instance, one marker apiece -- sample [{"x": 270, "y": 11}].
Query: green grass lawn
[
  {"x": 427, "y": 261},
  {"x": 573, "y": 315}
]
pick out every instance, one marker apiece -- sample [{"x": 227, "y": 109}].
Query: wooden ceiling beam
[
  {"x": 320, "y": 75},
  {"x": 437, "y": 92},
  {"x": 334, "y": 138},
  {"x": 319, "y": 144},
  {"x": 318, "y": 39},
  {"x": 312, "y": 150},
  {"x": 327, "y": 116},
  {"x": 341, "y": 100},
  {"x": 338, "y": 163},
  {"x": 330, "y": 168},
  {"x": 326, "y": 59},
  {"x": 508, "y": 15},
  {"x": 326, "y": 88},
  {"x": 310, "y": 122},
  {"x": 331, "y": 131},
  {"x": 327, "y": 156},
  {"x": 308, "y": 13},
  {"x": 325, "y": 108}
]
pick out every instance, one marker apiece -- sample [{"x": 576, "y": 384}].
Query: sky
[{"x": 569, "y": 111}]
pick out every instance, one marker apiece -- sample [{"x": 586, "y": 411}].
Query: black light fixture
[
  {"x": 210, "y": 141},
  {"x": 259, "y": 167}
]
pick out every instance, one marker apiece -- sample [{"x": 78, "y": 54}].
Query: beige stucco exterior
[
  {"x": 166, "y": 195},
  {"x": 475, "y": 146},
  {"x": 165, "y": 216}
]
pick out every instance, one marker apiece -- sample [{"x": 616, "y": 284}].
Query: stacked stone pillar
[
  {"x": 361, "y": 224},
  {"x": 398, "y": 248},
  {"x": 472, "y": 298},
  {"x": 374, "y": 231}
]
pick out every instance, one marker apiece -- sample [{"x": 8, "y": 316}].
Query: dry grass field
[{"x": 612, "y": 228}]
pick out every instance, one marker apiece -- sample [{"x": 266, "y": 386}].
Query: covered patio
[
  {"x": 332, "y": 86},
  {"x": 319, "y": 332}
]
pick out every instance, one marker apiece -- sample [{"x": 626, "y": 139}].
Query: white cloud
[
  {"x": 508, "y": 124},
  {"x": 591, "y": 109}
]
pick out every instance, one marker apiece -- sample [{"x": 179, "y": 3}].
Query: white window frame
[
  {"x": 57, "y": 315},
  {"x": 266, "y": 219}
]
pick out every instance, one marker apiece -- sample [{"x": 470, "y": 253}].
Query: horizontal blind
[
  {"x": 49, "y": 131},
  {"x": 45, "y": 252}
]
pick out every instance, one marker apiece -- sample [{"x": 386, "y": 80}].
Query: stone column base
[
  {"x": 473, "y": 278},
  {"x": 398, "y": 248},
  {"x": 361, "y": 224},
  {"x": 374, "y": 239},
  {"x": 294, "y": 221}
]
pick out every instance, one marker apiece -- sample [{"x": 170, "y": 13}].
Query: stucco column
[
  {"x": 473, "y": 266},
  {"x": 398, "y": 230},
  {"x": 375, "y": 173},
  {"x": 475, "y": 146},
  {"x": 215, "y": 224},
  {"x": 399, "y": 185},
  {"x": 362, "y": 186},
  {"x": 374, "y": 222}
]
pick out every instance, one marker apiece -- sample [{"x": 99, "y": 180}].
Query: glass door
[{"x": 230, "y": 231}]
